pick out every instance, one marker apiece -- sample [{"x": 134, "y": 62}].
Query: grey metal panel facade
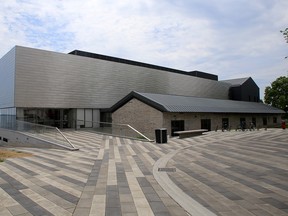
[
  {"x": 56, "y": 80},
  {"x": 7, "y": 75}
]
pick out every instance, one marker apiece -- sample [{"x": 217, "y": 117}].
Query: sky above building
[{"x": 229, "y": 38}]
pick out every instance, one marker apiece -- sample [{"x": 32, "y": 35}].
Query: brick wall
[
  {"x": 146, "y": 119},
  {"x": 140, "y": 116},
  {"x": 193, "y": 120}
]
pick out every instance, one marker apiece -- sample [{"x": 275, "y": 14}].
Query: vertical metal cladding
[
  {"x": 50, "y": 79},
  {"x": 7, "y": 75}
]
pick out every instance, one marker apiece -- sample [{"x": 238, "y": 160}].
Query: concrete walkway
[{"x": 221, "y": 173}]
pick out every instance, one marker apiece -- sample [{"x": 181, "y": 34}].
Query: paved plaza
[{"x": 221, "y": 173}]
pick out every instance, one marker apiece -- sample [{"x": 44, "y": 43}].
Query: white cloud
[{"x": 228, "y": 38}]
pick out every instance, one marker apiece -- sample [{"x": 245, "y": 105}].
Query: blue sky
[{"x": 230, "y": 38}]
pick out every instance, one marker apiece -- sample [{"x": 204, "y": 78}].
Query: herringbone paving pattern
[{"x": 229, "y": 173}]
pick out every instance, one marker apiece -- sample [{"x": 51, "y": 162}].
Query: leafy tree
[
  {"x": 277, "y": 94},
  {"x": 285, "y": 34}
]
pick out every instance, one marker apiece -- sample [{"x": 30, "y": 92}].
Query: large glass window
[{"x": 61, "y": 118}]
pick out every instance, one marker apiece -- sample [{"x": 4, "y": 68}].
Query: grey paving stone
[
  {"x": 38, "y": 210},
  {"x": 276, "y": 203},
  {"x": 23, "y": 169},
  {"x": 81, "y": 212},
  {"x": 227, "y": 173},
  {"x": 158, "y": 207},
  {"x": 40, "y": 165},
  {"x": 143, "y": 182},
  {"x": 152, "y": 197},
  {"x": 124, "y": 198},
  {"x": 84, "y": 203},
  {"x": 100, "y": 191},
  {"x": 260, "y": 212},
  {"x": 74, "y": 181},
  {"x": 17, "y": 210},
  {"x": 113, "y": 203},
  {"x": 124, "y": 190},
  {"x": 26, "y": 202},
  {"x": 147, "y": 190},
  {"x": 162, "y": 214},
  {"x": 113, "y": 211},
  {"x": 25, "y": 214},
  {"x": 12, "y": 181},
  {"x": 61, "y": 193},
  {"x": 128, "y": 207}
]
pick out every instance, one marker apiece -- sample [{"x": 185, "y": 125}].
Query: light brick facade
[
  {"x": 193, "y": 120},
  {"x": 146, "y": 119},
  {"x": 140, "y": 116}
]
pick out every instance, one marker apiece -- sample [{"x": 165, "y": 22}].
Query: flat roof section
[{"x": 199, "y": 74}]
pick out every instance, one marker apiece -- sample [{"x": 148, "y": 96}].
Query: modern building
[
  {"x": 58, "y": 89},
  {"x": 179, "y": 113}
]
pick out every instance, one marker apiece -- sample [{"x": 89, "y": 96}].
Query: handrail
[
  {"x": 35, "y": 124},
  {"x": 66, "y": 139},
  {"x": 38, "y": 131},
  {"x": 108, "y": 124},
  {"x": 139, "y": 133}
]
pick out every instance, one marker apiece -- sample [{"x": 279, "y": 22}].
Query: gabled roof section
[
  {"x": 176, "y": 103},
  {"x": 140, "y": 97},
  {"x": 236, "y": 82}
]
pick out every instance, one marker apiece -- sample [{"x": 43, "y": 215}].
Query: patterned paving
[
  {"x": 230, "y": 173},
  {"x": 246, "y": 174}
]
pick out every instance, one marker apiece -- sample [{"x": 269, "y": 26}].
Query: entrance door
[
  {"x": 254, "y": 121},
  {"x": 177, "y": 125},
  {"x": 225, "y": 123},
  {"x": 243, "y": 123},
  {"x": 206, "y": 124},
  {"x": 265, "y": 121},
  {"x": 88, "y": 118}
]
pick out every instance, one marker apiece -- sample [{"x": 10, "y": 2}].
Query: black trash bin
[{"x": 161, "y": 135}]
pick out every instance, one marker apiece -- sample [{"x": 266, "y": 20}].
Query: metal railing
[
  {"x": 114, "y": 129},
  {"x": 44, "y": 132}
]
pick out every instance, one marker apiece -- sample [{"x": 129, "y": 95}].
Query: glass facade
[
  {"x": 61, "y": 118},
  {"x": 8, "y": 111}
]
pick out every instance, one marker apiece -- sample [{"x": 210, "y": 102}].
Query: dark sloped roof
[
  {"x": 235, "y": 82},
  {"x": 176, "y": 103}
]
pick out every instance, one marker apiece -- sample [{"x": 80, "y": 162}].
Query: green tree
[
  {"x": 285, "y": 34},
  {"x": 277, "y": 94}
]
